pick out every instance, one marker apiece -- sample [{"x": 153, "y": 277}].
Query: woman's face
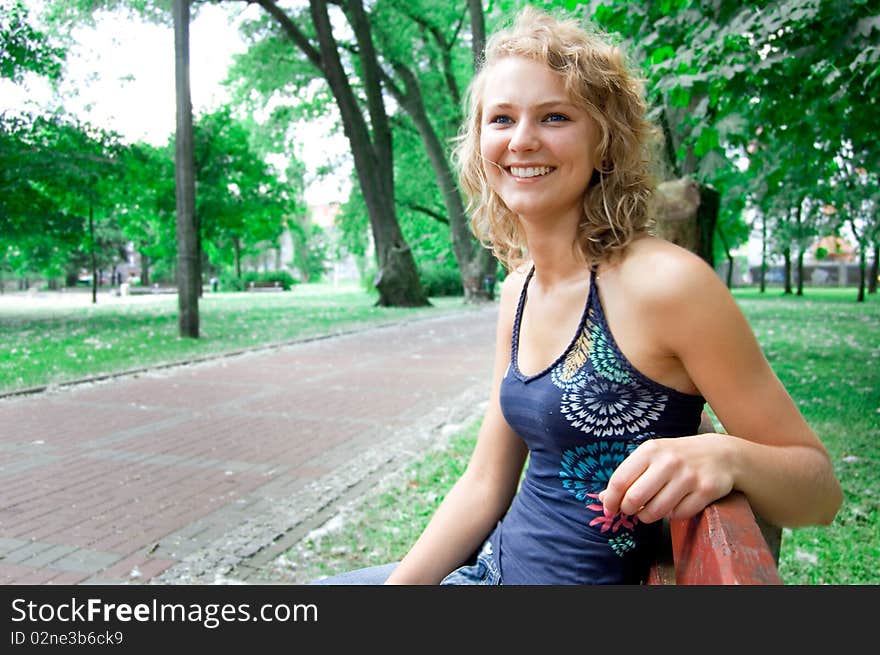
[{"x": 538, "y": 148}]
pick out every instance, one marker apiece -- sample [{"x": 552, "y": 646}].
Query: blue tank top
[{"x": 580, "y": 418}]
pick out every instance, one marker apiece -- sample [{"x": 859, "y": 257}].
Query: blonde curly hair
[{"x": 598, "y": 80}]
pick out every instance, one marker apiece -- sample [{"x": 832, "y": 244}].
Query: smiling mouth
[{"x": 529, "y": 171}]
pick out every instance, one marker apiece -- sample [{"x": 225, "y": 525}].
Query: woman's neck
[{"x": 558, "y": 260}]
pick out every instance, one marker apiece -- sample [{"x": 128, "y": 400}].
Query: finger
[
  {"x": 643, "y": 489},
  {"x": 694, "y": 503},
  {"x": 663, "y": 502},
  {"x": 689, "y": 506},
  {"x": 624, "y": 475}
]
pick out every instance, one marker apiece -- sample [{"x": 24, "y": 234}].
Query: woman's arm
[
  {"x": 768, "y": 452},
  {"x": 483, "y": 493}
]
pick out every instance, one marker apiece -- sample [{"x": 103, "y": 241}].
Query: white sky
[{"x": 120, "y": 75}]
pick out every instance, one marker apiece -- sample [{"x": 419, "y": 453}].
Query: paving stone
[{"x": 199, "y": 471}]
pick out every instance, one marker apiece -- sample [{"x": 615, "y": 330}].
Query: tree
[
  {"x": 58, "y": 181},
  {"x": 368, "y": 133},
  {"x": 241, "y": 203},
  {"x": 188, "y": 262},
  {"x": 423, "y": 60},
  {"x": 23, "y": 246},
  {"x": 413, "y": 49},
  {"x": 146, "y": 206},
  {"x": 720, "y": 72},
  {"x": 854, "y": 199}
]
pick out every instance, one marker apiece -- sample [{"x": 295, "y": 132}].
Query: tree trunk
[
  {"x": 94, "y": 259},
  {"x": 475, "y": 263},
  {"x": 730, "y": 262},
  {"x": 478, "y": 31},
  {"x": 800, "y": 245},
  {"x": 863, "y": 262},
  {"x": 187, "y": 231},
  {"x": 863, "y": 265},
  {"x": 800, "y": 270},
  {"x": 786, "y": 254},
  {"x": 872, "y": 277},
  {"x": 707, "y": 217},
  {"x": 236, "y": 254},
  {"x": 686, "y": 214},
  {"x": 145, "y": 270},
  {"x": 397, "y": 278},
  {"x": 763, "y": 273}
]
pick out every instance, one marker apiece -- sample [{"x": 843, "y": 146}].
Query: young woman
[{"x": 609, "y": 343}]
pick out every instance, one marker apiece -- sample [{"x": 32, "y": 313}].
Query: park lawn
[
  {"x": 50, "y": 345},
  {"x": 825, "y": 349}
]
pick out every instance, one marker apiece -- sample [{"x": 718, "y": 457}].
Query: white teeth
[{"x": 531, "y": 171}]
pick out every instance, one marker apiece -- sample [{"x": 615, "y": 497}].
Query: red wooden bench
[{"x": 726, "y": 544}]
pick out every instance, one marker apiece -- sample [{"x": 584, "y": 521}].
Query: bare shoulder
[
  {"x": 662, "y": 274},
  {"x": 512, "y": 286}
]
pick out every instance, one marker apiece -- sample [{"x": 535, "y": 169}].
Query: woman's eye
[
  {"x": 500, "y": 120},
  {"x": 555, "y": 118}
]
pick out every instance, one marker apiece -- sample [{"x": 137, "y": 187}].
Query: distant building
[{"x": 832, "y": 248}]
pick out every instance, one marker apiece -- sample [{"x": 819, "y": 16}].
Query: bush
[
  {"x": 367, "y": 270},
  {"x": 441, "y": 281}
]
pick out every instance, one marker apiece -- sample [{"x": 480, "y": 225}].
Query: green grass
[
  {"x": 825, "y": 349},
  {"x": 45, "y": 343}
]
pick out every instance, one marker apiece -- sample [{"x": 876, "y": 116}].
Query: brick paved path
[{"x": 195, "y": 473}]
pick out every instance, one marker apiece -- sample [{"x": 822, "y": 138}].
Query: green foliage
[
  {"x": 311, "y": 247},
  {"x": 441, "y": 280},
  {"x": 273, "y": 69},
  {"x": 63, "y": 14},
  {"x": 146, "y": 207},
  {"x": 421, "y": 211},
  {"x": 240, "y": 202},
  {"x": 56, "y": 174},
  {"x": 353, "y": 223},
  {"x": 761, "y": 100},
  {"x": 23, "y": 48}
]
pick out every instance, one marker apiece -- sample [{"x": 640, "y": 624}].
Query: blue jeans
[{"x": 483, "y": 571}]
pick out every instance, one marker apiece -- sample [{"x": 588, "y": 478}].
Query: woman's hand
[{"x": 674, "y": 477}]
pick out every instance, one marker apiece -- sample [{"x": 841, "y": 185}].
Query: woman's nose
[{"x": 524, "y": 137}]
